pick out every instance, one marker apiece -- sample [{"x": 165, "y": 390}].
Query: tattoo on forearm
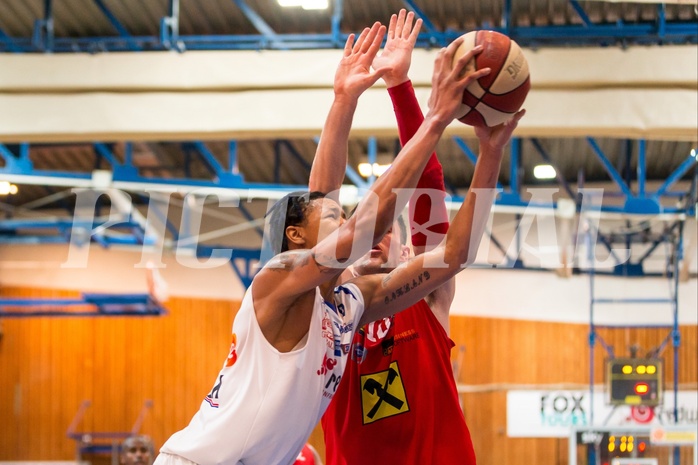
[{"x": 407, "y": 287}]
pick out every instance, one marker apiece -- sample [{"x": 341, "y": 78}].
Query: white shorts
[{"x": 171, "y": 459}]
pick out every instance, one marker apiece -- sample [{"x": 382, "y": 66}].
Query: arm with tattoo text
[{"x": 414, "y": 280}]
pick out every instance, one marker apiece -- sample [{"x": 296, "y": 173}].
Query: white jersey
[{"x": 264, "y": 403}]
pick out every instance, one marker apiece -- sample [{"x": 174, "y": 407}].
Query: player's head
[
  {"x": 388, "y": 253},
  {"x": 296, "y": 221},
  {"x": 137, "y": 450}
]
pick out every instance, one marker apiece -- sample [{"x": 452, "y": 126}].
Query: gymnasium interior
[{"x": 142, "y": 142}]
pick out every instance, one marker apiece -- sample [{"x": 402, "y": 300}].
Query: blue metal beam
[
  {"x": 120, "y": 170},
  {"x": 233, "y": 157},
  {"x": 250, "y": 257},
  {"x": 468, "y": 152},
  {"x": 162, "y": 216},
  {"x": 661, "y": 20},
  {"x": 246, "y": 213},
  {"x": 256, "y": 20},
  {"x": 663, "y": 239},
  {"x": 169, "y": 28},
  {"x": 18, "y": 169},
  {"x": 641, "y": 167},
  {"x": 208, "y": 158},
  {"x": 356, "y": 178},
  {"x": 337, "y": 12},
  {"x": 43, "y": 34},
  {"x": 105, "y": 153},
  {"x": 608, "y": 166},
  {"x": 87, "y": 305},
  {"x": 506, "y": 17},
  {"x": 690, "y": 161},
  {"x": 677, "y": 32},
  {"x": 280, "y": 144},
  {"x": 15, "y": 163},
  {"x": 427, "y": 25},
  {"x": 123, "y": 32},
  {"x": 9, "y": 43},
  {"x": 211, "y": 162},
  {"x": 63, "y": 227},
  {"x": 581, "y": 13}
]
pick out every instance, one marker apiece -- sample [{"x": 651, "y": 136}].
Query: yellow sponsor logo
[{"x": 383, "y": 395}]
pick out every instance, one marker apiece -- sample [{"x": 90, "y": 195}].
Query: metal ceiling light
[
  {"x": 305, "y": 4},
  {"x": 544, "y": 172},
  {"x": 7, "y": 188},
  {"x": 315, "y": 4},
  {"x": 375, "y": 169}
]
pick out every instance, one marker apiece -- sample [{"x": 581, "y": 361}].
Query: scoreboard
[{"x": 635, "y": 381}]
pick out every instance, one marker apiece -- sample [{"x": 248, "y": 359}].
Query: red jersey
[{"x": 394, "y": 406}]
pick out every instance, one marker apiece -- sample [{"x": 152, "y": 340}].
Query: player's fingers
[
  {"x": 517, "y": 117},
  {"x": 391, "y": 27},
  {"x": 415, "y": 31},
  {"x": 377, "y": 41},
  {"x": 362, "y": 38},
  {"x": 475, "y": 75},
  {"x": 408, "y": 25},
  {"x": 371, "y": 36},
  {"x": 348, "y": 45},
  {"x": 462, "y": 62},
  {"x": 400, "y": 22},
  {"x": 450, "y": 50},
  {"x": 470, "y": 54},
  {"x": 453, "y": 46}
]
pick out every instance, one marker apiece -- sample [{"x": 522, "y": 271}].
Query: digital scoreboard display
[{"x": 634, "y": 381}]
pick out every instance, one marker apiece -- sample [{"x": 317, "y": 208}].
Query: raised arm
[
  {"x": 448, "y": 81},
  {"x": 414, "y": 280},
  {"x": 427, "y": 212},
  {"x": 428, "y": 215},
  {"x": 352, "y": 78},
  {"x": 375, "y": 214}
]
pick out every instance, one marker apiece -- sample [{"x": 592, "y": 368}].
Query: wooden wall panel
[
  {"x": 500, "y": 353},
  {"x": 48, "y": 366}
]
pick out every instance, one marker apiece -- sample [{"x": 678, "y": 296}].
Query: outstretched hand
[
  {"x": 396, "y": 57},
  {"x": 496, "y": 137},
  {"x": 450, "y": 79},
  {"x": 354, "y": 75}
]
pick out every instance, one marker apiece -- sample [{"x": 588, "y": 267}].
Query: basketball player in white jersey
[{"x": 294, "y": 328}]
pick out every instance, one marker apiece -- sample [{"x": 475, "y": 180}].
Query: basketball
[{"x": 493, "y": 99}]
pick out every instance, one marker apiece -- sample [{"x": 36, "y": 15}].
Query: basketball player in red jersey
[{"x": 397, "y": 402}]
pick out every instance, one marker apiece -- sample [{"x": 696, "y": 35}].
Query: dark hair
[{"x": 289, "y": 211}]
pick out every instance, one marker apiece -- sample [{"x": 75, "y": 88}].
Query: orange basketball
[{"x": 493, "y": 99}]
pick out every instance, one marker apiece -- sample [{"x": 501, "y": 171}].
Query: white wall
[
  {"x": 641, "y": 92},
  {"x": 118, "y": 270},
  {"x": 496, "y": 293},
  {"x": 543, "y": 296}
]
